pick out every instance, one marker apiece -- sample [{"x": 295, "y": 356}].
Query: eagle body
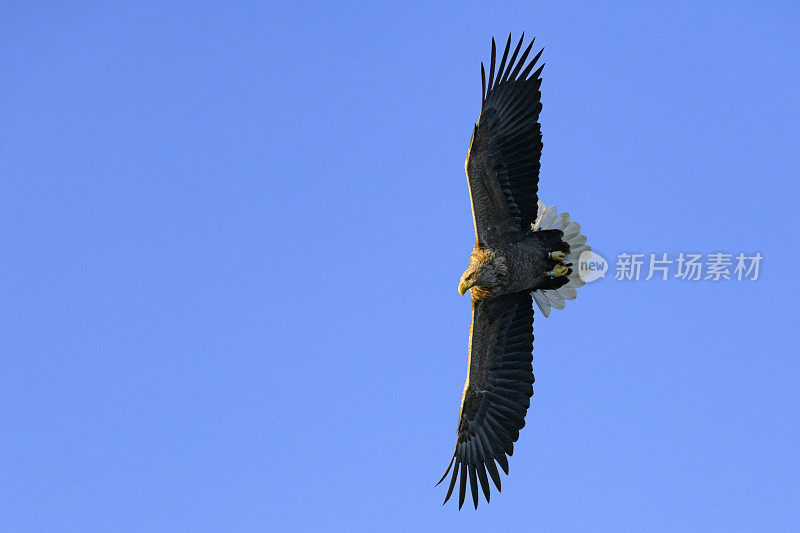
[
  {"x": 524, "y": 264},
  {"x": 522, "y": 254}
]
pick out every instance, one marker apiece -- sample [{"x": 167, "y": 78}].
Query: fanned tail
[{"x": 549, "y": 218}]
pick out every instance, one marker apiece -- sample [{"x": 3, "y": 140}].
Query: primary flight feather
[{"x": 523, "y": 253}]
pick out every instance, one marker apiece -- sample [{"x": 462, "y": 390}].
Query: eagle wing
[
  {"x": 503, "y": 160},
  {"x": 497, "y": 392}
]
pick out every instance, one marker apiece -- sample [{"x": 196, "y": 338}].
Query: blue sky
[{"x": 232, "y": 234}]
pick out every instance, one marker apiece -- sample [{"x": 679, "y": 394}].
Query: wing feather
[
  {"x": 522, "y": 59},
  {"x": 462, "y": 485},
  {"x": 514, "y": 56},
  {"x": 503, "y": 61},
  {"x": 497, "y": 394},
  {"x": 504, "y": 154},
  {"x": 491, "y": 67}
]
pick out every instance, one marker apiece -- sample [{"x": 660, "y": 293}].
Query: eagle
[{"x": 523, "y": 254}]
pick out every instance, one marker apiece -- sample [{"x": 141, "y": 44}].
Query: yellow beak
[{"x": 463, "y": 287}]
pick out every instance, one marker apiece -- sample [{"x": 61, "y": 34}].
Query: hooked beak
[{"x": 464, "y": 287}]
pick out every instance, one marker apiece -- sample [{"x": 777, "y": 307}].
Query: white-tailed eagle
[{"x": 523, "y": 254}]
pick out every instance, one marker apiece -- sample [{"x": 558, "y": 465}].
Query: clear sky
[{"x": 232, "y": 234}]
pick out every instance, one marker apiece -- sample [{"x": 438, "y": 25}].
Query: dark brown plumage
[{"x": 509, "y": 261}]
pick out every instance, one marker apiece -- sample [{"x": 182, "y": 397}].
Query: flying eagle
[{"x": 523, "y": 253}]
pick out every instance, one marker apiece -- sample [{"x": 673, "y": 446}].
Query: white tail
[{"x": 548, "y": 218}]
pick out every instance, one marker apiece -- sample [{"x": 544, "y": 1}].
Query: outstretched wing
[
  {"x": 497, "y": 393},
  {"x": 503, "y": 159}
]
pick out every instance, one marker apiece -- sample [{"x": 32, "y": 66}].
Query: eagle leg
[{"x": 558, "y": 270}]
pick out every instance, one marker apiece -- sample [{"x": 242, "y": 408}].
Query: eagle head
[{"x": 485, "y": 274}]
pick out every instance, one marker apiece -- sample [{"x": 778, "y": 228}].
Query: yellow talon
[
  {"x": 560, "y": 270},
  {"x": 558, "y": 256}
]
